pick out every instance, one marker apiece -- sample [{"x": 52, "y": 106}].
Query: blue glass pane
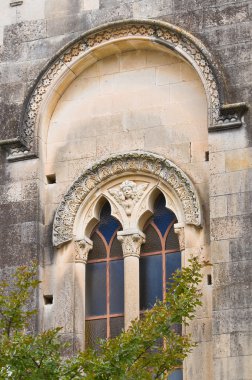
[
  {"x": 150, "y": 280},
  {"x": 96, "y": 289},
  {"x": 95, "y": 330},
  {"x": 152, "y": 242},
  {"x": 116, "y": 248},
  {"x": 108, "y": 224},
  {"x": 99, "y": 250},
  {"x": 172, "y": 242},
  {"x": 116, "y": 326},
  {"x": 162, "y": 216},
  {"x": 176, "y": 375},
  {"x": 116, "y": 287},
  {"x": 173, "y": 262}
]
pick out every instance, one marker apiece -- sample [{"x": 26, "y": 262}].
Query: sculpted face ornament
[{"x": 128, "y": 195}]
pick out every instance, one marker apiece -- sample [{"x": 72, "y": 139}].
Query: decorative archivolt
[
  {"x": 124, "y": 166},
  {"x": 156, "y": 32}
]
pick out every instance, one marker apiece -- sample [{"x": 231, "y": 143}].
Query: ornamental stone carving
[
  {"x": 82, "y": 248},
  {"x": 128, "y": 194},
  {"x": 180, "y": 231},
  {"x": 134, "y": 162},
  {"x": 131, "y": 242},
  {"x": 175, "y": 38}
]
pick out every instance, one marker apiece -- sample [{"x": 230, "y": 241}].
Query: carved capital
[
  {"x": 180, "y": 231},
  {"x": 131, "y": 242},
  {"x": 82, "y": 248}
]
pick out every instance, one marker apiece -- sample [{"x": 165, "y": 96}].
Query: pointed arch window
[
  {"x": 160, "y": 255},
  {"x": 104, "y": 281}
]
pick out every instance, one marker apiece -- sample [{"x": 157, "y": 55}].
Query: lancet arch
[{"x": 141, "y": 172}]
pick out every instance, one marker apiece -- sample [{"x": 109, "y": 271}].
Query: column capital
[
  {"x": 82, "y": 248},
  {"x": 131, "y": 241},
  {"x": 179, "y": 229}
]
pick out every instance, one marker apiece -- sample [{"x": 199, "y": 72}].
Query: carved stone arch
[
  {"x": 69, "y": 62},
  {"x": 147, "y": 205},
  {"x": 88, "y": 214},
  {"x": 124, "y": 166}
]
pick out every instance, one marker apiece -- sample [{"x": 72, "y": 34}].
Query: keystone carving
[
  {"x": 128, "y": 195},
  {"x": 82, "y": 248},
  {"x": 131, "y": 243}
]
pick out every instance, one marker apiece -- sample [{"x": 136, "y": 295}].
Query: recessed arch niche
[{"x": 104, "y": 41}]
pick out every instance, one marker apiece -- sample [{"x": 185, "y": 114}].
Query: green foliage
[
  {"x": 24, "y": 355},
  {"x": 150, "y": 349}
]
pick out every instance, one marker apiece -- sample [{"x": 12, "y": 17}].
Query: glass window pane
[
  {"x": 99, "y": 250},
  {"x": 116, "y": 287},
  {"x": 96, "y": 289},
  {"x": 173, "y": 262},
  {"x": 116, "y": 248},
  {"x": 108, "y": 224},
  {"x": 152, "y": 243},
  {"x": 172, "y": 241},
  {"x": 162, "y": 216},
  {"x": 150, "y": 280},
  {"x": 176, "y": 375},
  {"x": 94, "y": 330},
  {"x": 116, "y": 326}
]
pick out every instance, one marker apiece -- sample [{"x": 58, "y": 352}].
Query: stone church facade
[{"x": 123, "y": 102}]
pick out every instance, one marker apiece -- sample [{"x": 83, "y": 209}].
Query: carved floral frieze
[{"x": 125, "y": 164}]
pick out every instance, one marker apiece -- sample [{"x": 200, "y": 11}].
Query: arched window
[
  {"x": 104, "y": 281},
  {"x": 160, "y": 255}
]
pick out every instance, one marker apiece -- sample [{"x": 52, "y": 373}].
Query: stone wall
[{"x": 30, "y": 35}]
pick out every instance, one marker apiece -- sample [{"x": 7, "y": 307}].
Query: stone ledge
[{"x": 230, "y": 117}]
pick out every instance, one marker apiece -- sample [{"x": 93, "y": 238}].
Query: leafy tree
[
  {"x": 24, "y": 355},
  {"x": 150, "y": 349}
]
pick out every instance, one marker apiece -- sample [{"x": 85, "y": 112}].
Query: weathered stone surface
[
  {"x": 24, "y": 31},
  {"x": 67, "y": 24},
  {"x": 240, "y": 249},
  {"x": 229, "y": 227},
  {"x": 233, "y": 368},
  {"x": 241, "y": 344},
  {"x": 228, "y": 296},
  {"x": 9, "y": 120},
  {"x": 239, "y": 204},
  {"x": 169, "y": 121},
  {"x": 54, "y": 8},
  {"x": 233, "y": 182},
  {"x": 230, "y": 320}
]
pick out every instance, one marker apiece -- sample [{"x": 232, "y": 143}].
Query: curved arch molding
[
  {"x": 166, "y": 34},
  {"x": 124, "y": 164}
]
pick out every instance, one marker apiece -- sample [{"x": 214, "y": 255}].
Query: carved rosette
[
  {"x": 82, "y": 248},
  {"x": 131, "y": 243},
  {"x": 145, "y": 162},
  {"x": 163, "y": 33}
]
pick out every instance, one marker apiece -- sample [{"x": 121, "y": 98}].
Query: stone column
[
  {"x": 131, "y": 243},
  {"x": 82, "y": 248}
]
